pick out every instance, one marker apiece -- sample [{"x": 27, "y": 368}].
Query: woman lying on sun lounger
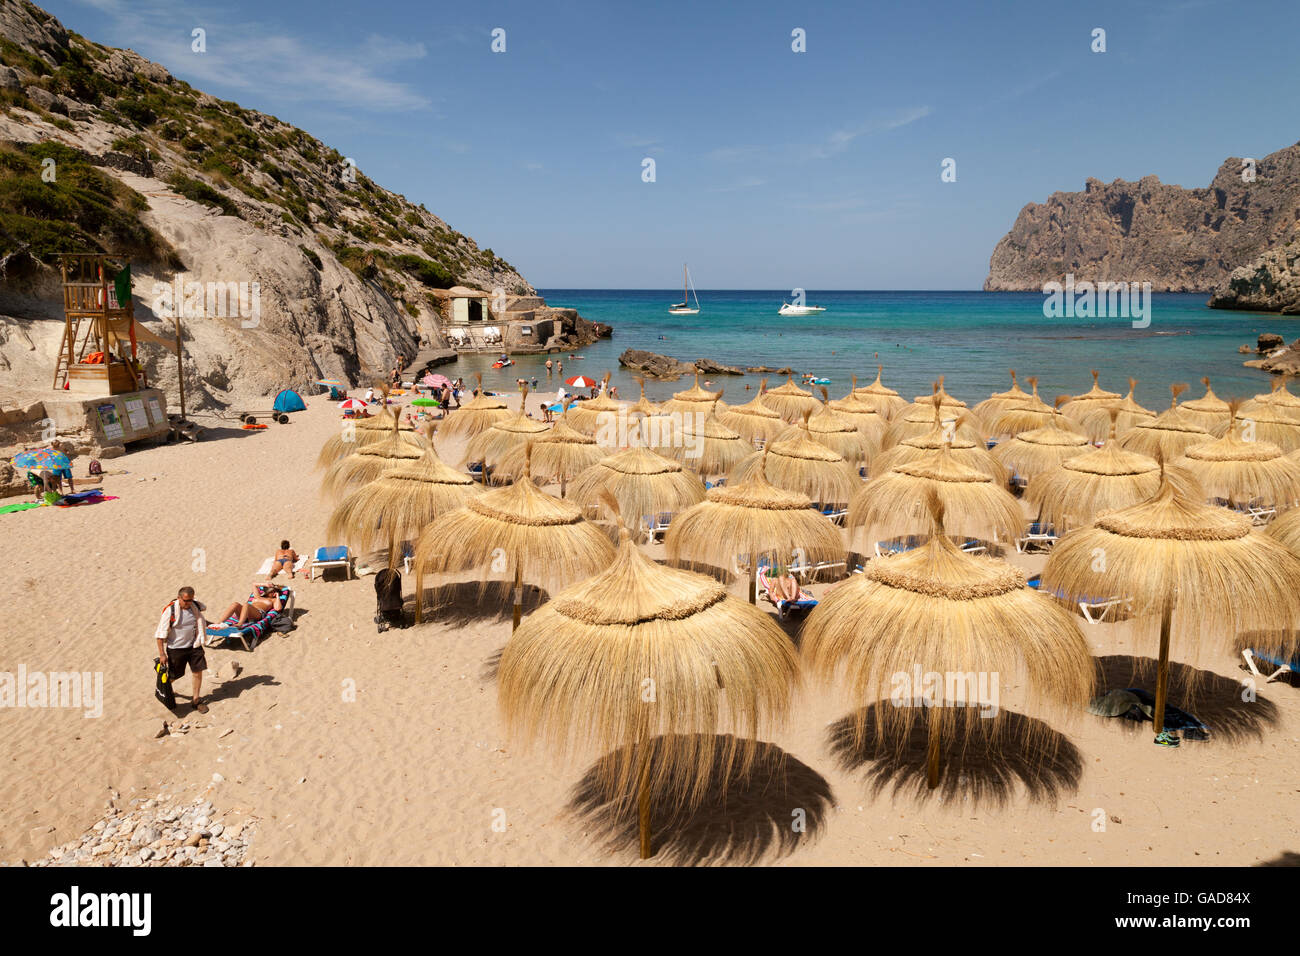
[
  {"x": 783, "y": 586},
  {"x": 265, "y": 597}
]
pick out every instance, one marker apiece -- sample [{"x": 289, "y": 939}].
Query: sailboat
[{"x": 683, "y": 307}]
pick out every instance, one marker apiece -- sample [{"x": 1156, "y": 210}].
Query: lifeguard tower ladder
[{"x": 95, "y": 324}]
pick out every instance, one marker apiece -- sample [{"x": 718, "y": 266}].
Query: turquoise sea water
[{"x": 972, "y": 338}]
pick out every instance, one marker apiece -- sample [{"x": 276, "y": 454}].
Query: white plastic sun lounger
[{"x": 1283, "y": 667}]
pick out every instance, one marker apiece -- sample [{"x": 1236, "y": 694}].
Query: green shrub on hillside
[{"x": 198, "y": 191}]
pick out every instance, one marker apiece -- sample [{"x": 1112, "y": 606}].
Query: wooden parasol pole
[
  {"x": 519, "y": 597},
  {"x": 932, "y": 757},
  {"x": 1162, "y": 676},
  {"x": 180, "y": 371},
  {"x": 753, "y": 580}
]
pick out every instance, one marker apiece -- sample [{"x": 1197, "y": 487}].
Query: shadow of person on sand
[
  {"x": 1285, "y": 858},
  {"x": 463, "y": 603},
  {"x": 984, "y": 761},
  {"x": 1215, "y": 700},
  {"x": 230, "y": 689},
  {"x": 772, "y": 806}
]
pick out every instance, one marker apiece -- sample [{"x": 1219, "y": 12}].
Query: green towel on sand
[{"x": 22, "y": 506}]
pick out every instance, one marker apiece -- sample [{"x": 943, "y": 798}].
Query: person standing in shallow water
[{"x": 548, "y": 368}]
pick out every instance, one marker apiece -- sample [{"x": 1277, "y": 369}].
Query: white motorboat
[{"x": 789, "y": 308}]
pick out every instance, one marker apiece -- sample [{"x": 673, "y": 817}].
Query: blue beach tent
[{"x": 289, "y": 401}]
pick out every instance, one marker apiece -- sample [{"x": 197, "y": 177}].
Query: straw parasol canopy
[
  {"x": 1095, "y": 397},
  {"x": 397, "y": 505},
  {"x": 1000, "y": 402},
  {"x": 754, "y": 421},
  {"x": 894, "y": 504},
  {"x": 599, "y": 417},
  {"x": 790, "y": 401},
  {"x": 370, "y": 461},
  {"x": 806, "y": 466},
  {"x": 355, "y": 433},
  {"x": 752, "y": 517},
  {"x": 1096, "y": 421},
  {"x": 643, "y": 407},
  {"x": 692, "y": 400},
  {"x": 496, "y": 441},
  {"x": 1272, "y": 424},
  {"x": 476, "y": 415},
  {"x": 1166, "y": 436},
  {"x": 1041, "y": 449},
  {"x": 1209, "y": 411},
  {"x": 937, "y": 611},
  {"x": 834, "y": 431},
  {"x": 704, "y": 445},
  {"x": 1031, "y": 414},
  {"x": 886, "y": 401},
  {"x": 1279, "y": 403},
  {"x": 1171, "y": 553},
  {"x": 862, "y": 413},
  {"x": 641, "y": 482},
  {"x": 574, "y": 676},
  {"x": 1241, "y": 471},
  {"x": 1103, "y": 479},
  {"x": 512, "y": 536},
  {"x": 917, "y": 420},
  {"x": 558, "y": 455},
  {"x": 964, "y": 449},
  {"x": 1286, "y": 529}
]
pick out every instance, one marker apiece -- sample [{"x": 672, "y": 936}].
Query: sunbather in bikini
[
  {"x": 264, "y": 599},
  {"x": 285, "y": 559},
  {"x": 784, "y": 585}
]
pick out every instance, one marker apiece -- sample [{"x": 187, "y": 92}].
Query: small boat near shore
[
  {"x": 683, "y": 307},
  {"x": 789, "y": 308}
]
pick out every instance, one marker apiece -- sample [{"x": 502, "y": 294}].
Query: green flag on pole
[{"x": 122, "y": 286}]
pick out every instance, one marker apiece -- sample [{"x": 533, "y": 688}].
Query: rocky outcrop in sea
[{"x": 1270, "y": 283}]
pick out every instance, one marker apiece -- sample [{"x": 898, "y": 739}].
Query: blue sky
[{"x": 774, "y": 169}]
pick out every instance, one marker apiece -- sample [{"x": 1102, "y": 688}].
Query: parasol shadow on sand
[
  {"x": 990, "y": 767},
  {"x": 1213, "y": 699},
  {"x": 743, "y": 816}
]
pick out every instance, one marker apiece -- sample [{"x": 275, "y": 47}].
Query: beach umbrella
[
  {"x": 575, "y": 676},
  {"x": 494, "y": 442},
  {"x": 885, "y": 400},
  {"x": 1241, "y": 470},
  {"x": 705, "y": 445},
  {"x": 1209, "y": 411},
  {"x": 790, "y": 401},
  {"x": 1034, "y": 413},
  {"x": 964, "y": 449},
  {"x": 752, "y": 517},
  {"x": 1278, "y": 403},
  {"x": 936, "y": 611},
  {"x": 835, "y": 432},
  {"x": 357, "y": 433},
  {"x": 512, "y": 536},
  {"x": 329, "y": 382},
  {"x": 893, "y": 504},
  {"x": 1095, "y": 397},
  {"x": 368, "y": 462},
  {"x": 397, "y": 505},
  {"x": 754, "y": 421},
  {"x": 1166, "y": 436},
  {"x": 602, "y": 418},
  {"x": 806, "y": 466},
  {"x": 1102, "y": 479},
  {"x": 1096, "y": 422},
  {"x": 692, "y": 400},
  {"x": 581, "y": 381},
  {"x": 863, "y": 415},
  {"x": 924, "y": 402},
  {"x": 1041, "y": 449},
  {"x": 1171, "y": 554},
  {"x": 42, "y": 458},
  {"x": 1272, "y": 424},
  {"x": 916, "y": 420},
  {"x": 1000, "y": 402},
  {"x": 436, "y": 380},
  {"x": 1286, "y": 529},
  {"x": 641, "y": 482},
  {"x": 558, "y": 455},
  {"x": 475, "y": 416},
  {"x": 643, "y": 407},
  {"x": 352, "y": 405}
]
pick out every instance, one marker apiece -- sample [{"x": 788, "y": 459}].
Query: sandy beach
[{"x": 413, "y": 767}]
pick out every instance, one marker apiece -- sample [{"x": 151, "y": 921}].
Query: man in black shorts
[{"x": 180, "y": 636}]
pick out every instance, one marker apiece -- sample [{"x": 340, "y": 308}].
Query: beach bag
[
  {"x": 162, "y": 688},
  {"x": 95, "y": 467}
]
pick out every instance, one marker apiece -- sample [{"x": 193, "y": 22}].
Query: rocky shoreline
[
  {"x": 1278, "y": 357},
  {"x": 667, "y": 368}
]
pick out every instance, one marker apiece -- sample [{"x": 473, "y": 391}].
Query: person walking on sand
[{"x": 180, "y": 634}]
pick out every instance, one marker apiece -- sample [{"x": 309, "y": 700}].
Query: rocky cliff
[
  {"x": 1179, "y": 240},
  {"x": 202, "y": 189},
  {"x": 1270, "y": 283}
]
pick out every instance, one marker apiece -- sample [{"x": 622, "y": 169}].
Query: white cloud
[{"x": 841, "y": 139}]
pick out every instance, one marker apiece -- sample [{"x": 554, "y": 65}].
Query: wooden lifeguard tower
[{"x": 95, "y": 357}]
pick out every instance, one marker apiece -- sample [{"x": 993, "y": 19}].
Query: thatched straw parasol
[
  {"x": 558, "y": 455},
  {"x": 1031, "y": 414},
  {"x": 1272, "y": 425},
  {"x": 1278, "y": 403},
  {"x": 601, "y": 417},
  {"x": 1209, "y": 411},
  {"x": 357, "y": 432},
  {"x": 477, "y": 415},
  {"x": 641, "y": 482},
  {"x": 703, "y": 444},
  {"x": 947, "y": 401},
  {"x": 370, "y": 461},
  {"x": 648, "y": 663},
  {"x": 806, "y": 466},
  {"x": 937, "y": 611},
  {"x": 692, "y": 400},
  {"x": 1286, "y": 529},
  {"x": 886, "y": 401},
  {"x": 918, "y": 420},
  {"x": 1106, "y": 478},
  {"x": 643, "y": 407},
  {"x": 790, "y": 401},
  {"x": 1041, "y": 449},
  {"x": 397, "y": 505},
  {"x": 1095, "y": 397},
  {"x": 1096, "y": 422},
  {"x": 834, "y": 431},
  {"x": 492, "y": 444},
  {"x": 1241, "y": 471},
  {"x": 1000, "y": 402},
  {"x": 862, "y": 413},
  {"x": 966, "y": 450},
  {"x": 754, "y": 421},
  {"x": 513, "y": 536},
  {"x": 752, "y": 517},
  {"x": 894, "y": 504},
  {"x": 1172, "y": 553},
  {"x": 1166, "y": 436}
]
